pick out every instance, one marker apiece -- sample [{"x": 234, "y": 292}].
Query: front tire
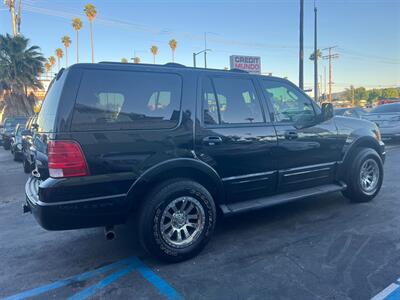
[
  {"x": 177, "y": 220},
  {"x": 365, "y": 176}
]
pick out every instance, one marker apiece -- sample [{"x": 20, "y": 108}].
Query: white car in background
[{"x": 387, "y": 117}]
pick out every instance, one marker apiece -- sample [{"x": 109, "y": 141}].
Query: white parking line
[{"x": 386, "y": 292}]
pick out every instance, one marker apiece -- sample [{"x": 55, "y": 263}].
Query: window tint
[
  {"x": 113, "y": 100},
  {"x": 47, "y": 114},
  {"x": 290, "y": 105},
  {"x": 210, "y": 110},
  {"x": 233, "y": 101}
]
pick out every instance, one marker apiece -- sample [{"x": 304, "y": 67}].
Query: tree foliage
[{"x": 20, "y": 65}]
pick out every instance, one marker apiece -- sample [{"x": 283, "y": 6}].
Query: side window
[
  {"x": 233, "y": 101},
  {"x": 210, "y": 110},
  {"x": 114, "y": 100},
  {"x": 290, "y": 105}
]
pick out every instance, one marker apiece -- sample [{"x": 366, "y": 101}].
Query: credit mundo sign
[{"x": 251, "y": 64}]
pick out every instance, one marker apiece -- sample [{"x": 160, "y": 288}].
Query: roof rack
[{"x": 238, "y": 70}]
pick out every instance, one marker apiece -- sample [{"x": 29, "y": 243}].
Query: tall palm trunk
[
  {"x": 173, "y": 55},
  {"x": 58, "y": 63},
  {"x": 13, "y": 19},
  {"x": 66, "y": 56},
  {"x": 154, "y": 59},
  {"x": 91, "y": 40},
  {"x": 77, "y": 46}
]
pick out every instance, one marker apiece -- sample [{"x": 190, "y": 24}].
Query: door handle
[
  {"x": 212, "y": 140},
  {"x": 291, "y": 135}
]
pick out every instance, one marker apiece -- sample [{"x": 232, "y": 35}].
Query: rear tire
[
  {"x": 177, "y": 220},
  {"x": 365, "y": 176},
  {"x": 6, "y": 146}
]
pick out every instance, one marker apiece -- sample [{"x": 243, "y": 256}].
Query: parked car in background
[
  {"x": 28, "y": 157},
  {"x": 172, "y": 145},
  {"x": 1, "y": 133},
  {"x": 16, "y": 142},
  {"x": 353, "y": 112},
  {"x": 382, "y": 101},
  {"x": 9, "y": 128},
  {"x": 387, "y": 117}
]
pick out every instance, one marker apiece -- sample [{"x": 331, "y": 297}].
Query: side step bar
[{"x": 239, "y": 207}]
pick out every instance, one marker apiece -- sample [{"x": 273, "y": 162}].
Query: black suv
[{"x": 173, "y": 145}]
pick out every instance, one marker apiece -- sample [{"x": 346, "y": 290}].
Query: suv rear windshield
[{"x": 114, "y": 100}]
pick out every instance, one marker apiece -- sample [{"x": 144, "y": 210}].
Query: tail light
[{"x": 66, "y": 159}]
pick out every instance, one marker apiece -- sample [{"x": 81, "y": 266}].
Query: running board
[{"x": 239, "y": 207}]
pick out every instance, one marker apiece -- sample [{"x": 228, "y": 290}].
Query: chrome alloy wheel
[
  {"x": 182, "y": 222},
  {"x": 369, "y": 176}
]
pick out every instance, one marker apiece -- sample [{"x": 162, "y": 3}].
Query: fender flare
[
  {"x": 349, "y": 151},
  {"x": 175, "y": 164}
]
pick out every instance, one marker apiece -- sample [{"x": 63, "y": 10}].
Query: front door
[
  {"x": 307, "y": 150},
  {"x": 234, "y": 136}
]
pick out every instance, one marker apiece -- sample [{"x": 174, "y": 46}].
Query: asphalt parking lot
[{"x": 318, "y": 248}]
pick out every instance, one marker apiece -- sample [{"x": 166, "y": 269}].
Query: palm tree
[
  {"x": 91, "y": 12},
  {"x": 124, "y": 60},
  {"x": 47, "y": 68},
  {"x": 77, "y": 25},
  {"x": 59, "y": 54},
  {"x": 136, "y": 60},
  {"x": 154, "y": 51},
  {"x": 66, "y": 40},
  {"x": 52, "y": 61},
  {"x": 172, "y": 44},
  {"x": 20, "y": 66},
  {"x": 319, "y": 55},
  {"x": 11, "y": 7}
]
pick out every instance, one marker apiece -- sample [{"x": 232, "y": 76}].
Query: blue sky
[{"x": 366, "y": 32}]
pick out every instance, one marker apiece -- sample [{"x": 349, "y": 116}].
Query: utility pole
[
  {"x": 205, "y": 52},
  {"x": 324, "y": 82},
  {"x": 330, "y": 56},
  {"x": 301, "y": 48},
  {"x": 315, "y": 56},
  {"x": 194, "y": 60}
]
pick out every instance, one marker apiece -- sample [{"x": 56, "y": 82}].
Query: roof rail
[
  {"x": 174, "y": 65},
  {"x": 238, "y": 70}
]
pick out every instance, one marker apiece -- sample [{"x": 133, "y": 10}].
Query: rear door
[
  {"x": 307, "y": 150},
  {"x": 235, "y": 136}
]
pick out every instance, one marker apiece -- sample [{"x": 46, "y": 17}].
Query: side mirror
[{"x": 327, "y": 111}]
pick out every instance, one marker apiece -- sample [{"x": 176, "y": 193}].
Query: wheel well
[
  {"x": 144, "y": 187},
  {"x": 366, "y": 143}
]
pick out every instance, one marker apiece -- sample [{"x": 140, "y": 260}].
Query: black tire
[
  {"x": 355, "y": 191},
  {"x": 27, "y": 166},
  {"x": 6, "y": 146},
  {"x": 152, "y": 214},
  {"x": 17, "y": 156}
]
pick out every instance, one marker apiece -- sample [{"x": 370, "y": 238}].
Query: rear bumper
[{"x": 75, "y": 213}]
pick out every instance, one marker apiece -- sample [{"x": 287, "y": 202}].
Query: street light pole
[
  {"x": 301, "y": 50},
  {"x": 195, "y": 54},
  {"x": 205, "y": 52},
  {"x": 315, "y": 56}
]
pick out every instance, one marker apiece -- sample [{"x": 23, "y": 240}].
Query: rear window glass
[
  {"x": 114, "y": 100},
  {"x": 47, "y": 114}
]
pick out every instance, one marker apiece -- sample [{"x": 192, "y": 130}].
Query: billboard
[{"x": 251, "y": 64}]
